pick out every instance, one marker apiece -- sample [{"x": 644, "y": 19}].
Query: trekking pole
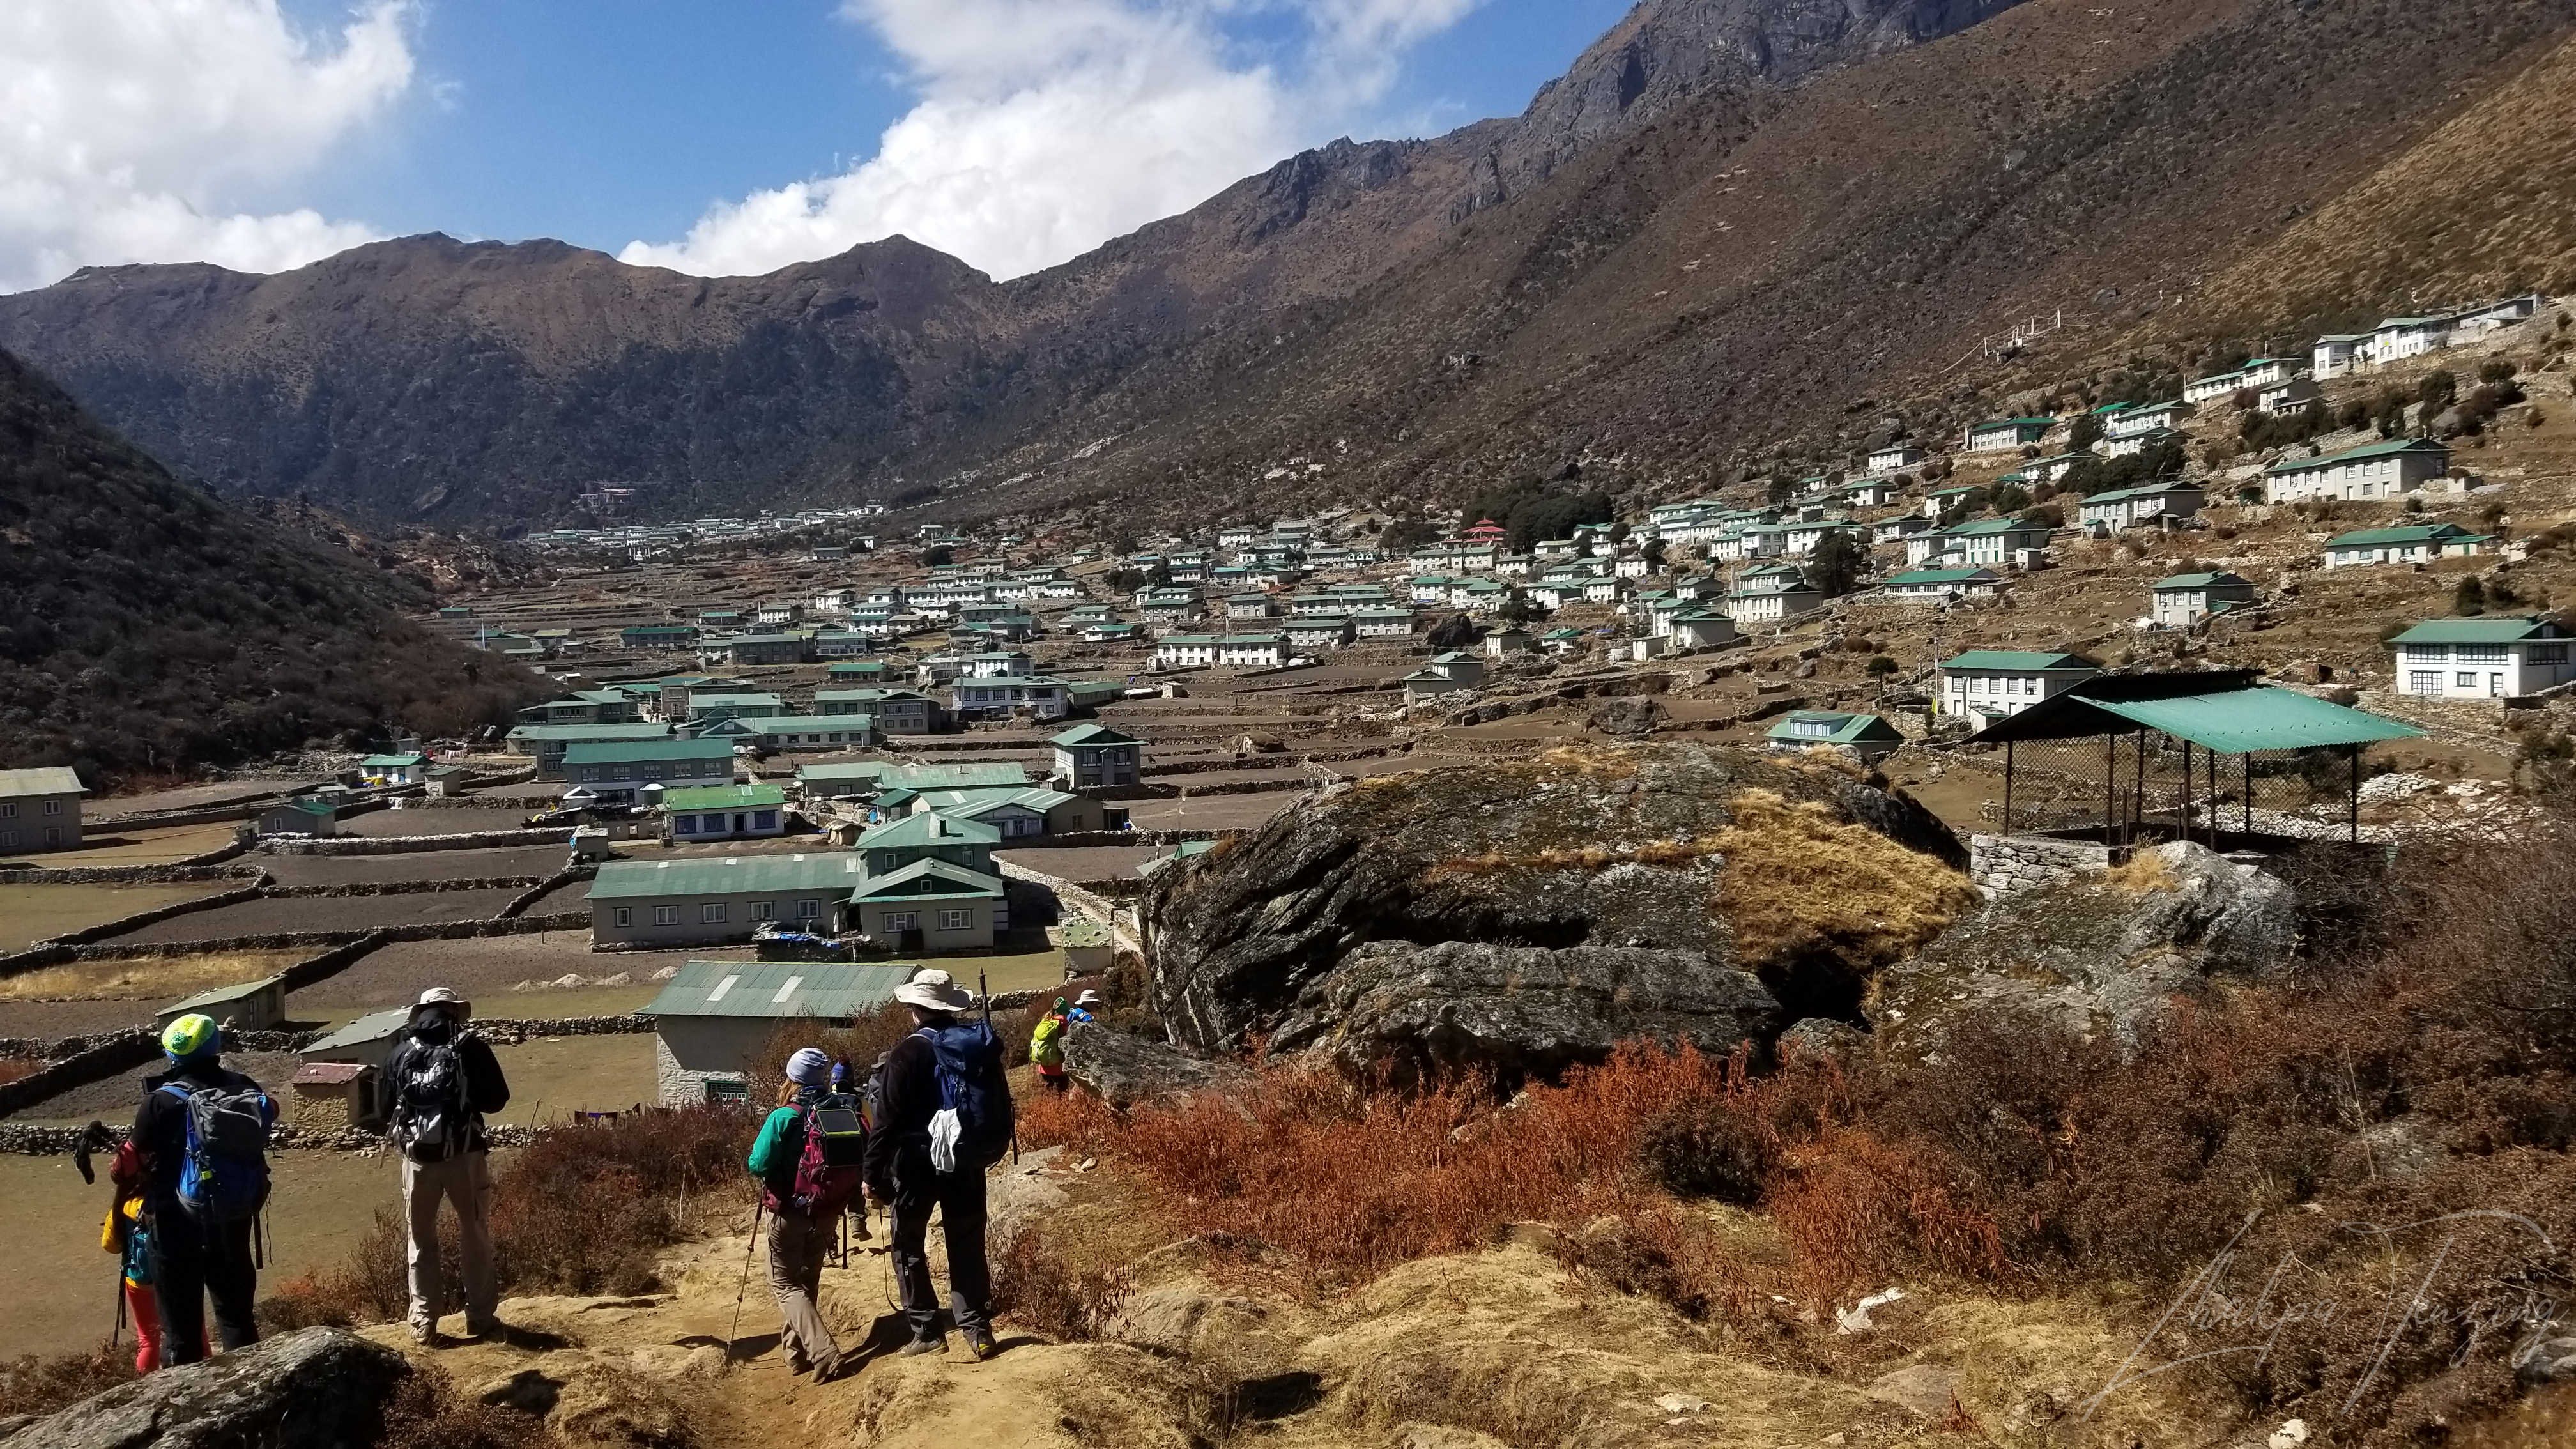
[
  {"x": 731, "y": 1334},
  {"x": 988, "y": 1031}
]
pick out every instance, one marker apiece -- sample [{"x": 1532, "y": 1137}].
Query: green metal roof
[
  {"x": 221, "y": 995},
  {"x": 923, "y": 879},
  {"x": 954, "y": 777},
  {"x": 1993, "y": 525},
  {"x": 2021, "y": 661},
  {"x": 725, "y": 797},
  {"x": 374, "y": 1026},
  {"x": 826, "y": 989},
  {"x": 2223, "y": 711},
  {"x": 928, "y": 828},
  {"x": 957, "y": 804},
  {"x": 824, "y": 872},
  {"x": 392, "y": 762},
  {"x": 1847, "y": 728},
  {"x": 856, "y": 770},
  {"x": 1942, "y": 576},
  {"x": 2506, "y": 630},
  {"x": 2354, "y": 455},
  {"x": 646, "y": 751},
  {"x": 1093, "y": 734},
  {"x": 2394, "y": 537},
  {"x": 2241, "y": 721},
  {"x": 2201, "y": 581}
]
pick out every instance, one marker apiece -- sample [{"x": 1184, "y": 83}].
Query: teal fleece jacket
[{"x": 772, "y": 1132}]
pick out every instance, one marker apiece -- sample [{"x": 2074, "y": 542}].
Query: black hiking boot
[
  {"x": 919, "y": 1346},
  {"x": 979, "y": 1342}
]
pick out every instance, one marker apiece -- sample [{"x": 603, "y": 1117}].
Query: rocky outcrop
[
  {"x": 1125, "y": 1069},
  {"x": 1519, "y": 1011},
  {"x": 2104, "y": 952},
  {"x": 1606, "y": 848},
  {"x": 321, "y": 1388}
]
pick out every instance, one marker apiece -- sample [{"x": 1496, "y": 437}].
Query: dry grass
[
  {"x": 12, "y": 1068},
  {"x": 144, "y": 977},
  {"x": 1800, "y": 882},
  {"x": 32, "y": 1385},
  {"x": 2142, "y": 873},
  {"x": 1589, "y": 858}
]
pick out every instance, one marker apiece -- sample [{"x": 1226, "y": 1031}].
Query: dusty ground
[
  {"x": 484, "y": 968},
  {"x": 300, "y": 870},
  {"x": 555, "y": 1076},
  {"x": 324, "y": 913},
  {"x": 1464, "y": 1352},
  {"x": 31, "y": 913},
  {"x": 108, "y": 845}
]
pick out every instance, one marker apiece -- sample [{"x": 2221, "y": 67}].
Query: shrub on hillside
[{"x": 38, "y": 1385}]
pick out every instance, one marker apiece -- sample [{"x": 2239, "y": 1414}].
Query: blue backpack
[
  {"x": 974, "y": 1092},
  {"x": 224, "y": 1177}
]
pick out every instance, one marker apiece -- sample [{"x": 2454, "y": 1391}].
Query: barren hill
[
  {"x": 147, "y": 627},
  {"x": 1732, "y": 222}
]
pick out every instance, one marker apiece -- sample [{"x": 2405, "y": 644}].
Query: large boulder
[
  {"x": 320, "y": 1388},
  {"x": 1791, "y": 869},
  {"x": 1519, "y": 1010},
  {"x": 1125, "y": 1069},
  {"x": 2105, "y": 952}
]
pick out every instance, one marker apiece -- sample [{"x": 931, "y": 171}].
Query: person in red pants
[{"x": 125, "y": 1233}]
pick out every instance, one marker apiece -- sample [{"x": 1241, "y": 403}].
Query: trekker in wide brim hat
[{"x": 934, "y": 991}]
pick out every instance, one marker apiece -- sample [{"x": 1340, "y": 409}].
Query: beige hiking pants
[
  {"x": 466, "y": 1181},
  {"x": 797, "y": 1246}
]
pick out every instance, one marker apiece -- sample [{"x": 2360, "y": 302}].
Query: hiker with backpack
[
  {"x": 808, "y": 1158},
  {"x": 943, "y": 1117},
  {"x": 201, "y": 1144},
  {"x": 438, "y": 1082},
  {"x": 1046, "y": 1047}
]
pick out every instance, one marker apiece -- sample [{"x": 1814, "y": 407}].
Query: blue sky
[{"x": 735, "y": 135}]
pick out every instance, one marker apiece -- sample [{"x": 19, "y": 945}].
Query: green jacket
[{"x": 766, "y": 1145}]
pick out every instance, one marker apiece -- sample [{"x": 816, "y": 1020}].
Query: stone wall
[
  {"x": 1999, "y": 865},
  {"x": 103, "y": 1057},
  {"x": 406, "y": 844},
  {"x": 130, "y": 874},
  {"x": 537, "y": 891}
]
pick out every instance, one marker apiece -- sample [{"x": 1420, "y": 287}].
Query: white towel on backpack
[{"x": 944, "y": 1132}]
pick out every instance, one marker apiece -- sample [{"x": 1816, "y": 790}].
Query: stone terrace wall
[{"x": 1999, "y": 865}]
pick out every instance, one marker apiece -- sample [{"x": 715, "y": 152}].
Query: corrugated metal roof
[
  {"x": 222, "y": 995},
  {"x": 2241, "y": 721},
  {"x": 42, "y": 780},
  {"x": 374, "y": 1026},
  {"x": 825, "y": 989},
  {"x": 2354, "y": 455},
  {"x": 2507, "y": 630},
  {"x": 647, "y": 751},
  {"x": 828, "y": 871},
  {"x": 929, "y": 877},
  {"x": 724, "y": 797},
  {"x": 2024, "y": 660}
]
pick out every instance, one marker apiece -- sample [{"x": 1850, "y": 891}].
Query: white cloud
[
  {"x": 1046, "y": 127},
  {"x": 128, "y": 127}
]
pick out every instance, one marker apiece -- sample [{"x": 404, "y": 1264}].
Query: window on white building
[
  {"x": 956, "y": 920},
  {"x": 2484, "y": 653},
  {"x": 764, "y": 910},
  {"x": 2465, "y": 679},
  {"x": 897, "y": 922},
  {"x": 2424, "y": 681},
  {"x": 711, "y": 914},
  {"x": 808, "y": 910},
  {"x": 2548, "y": 653},
  {"x": 666, "y": 915},
  {"x": 622, "y": 916}
]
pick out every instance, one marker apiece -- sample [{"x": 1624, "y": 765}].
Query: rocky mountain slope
[
  {"x": 1734, "y": 222},
  {"x": 427, "y": 378},
  {"x": 148, "y": 627}
]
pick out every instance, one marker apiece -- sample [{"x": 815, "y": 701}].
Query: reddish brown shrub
[
  {"x": 34, "y": 1385},
  {"x": 1033, "y": 1284}
]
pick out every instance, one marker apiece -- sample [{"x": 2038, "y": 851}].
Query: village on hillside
[{"x": 791, "y": 762}]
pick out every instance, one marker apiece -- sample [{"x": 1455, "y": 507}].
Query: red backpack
[{"x": 831, "y": 1149}]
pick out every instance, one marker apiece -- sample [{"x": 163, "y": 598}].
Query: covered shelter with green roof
[
  {"x": 1873, "y": 738},
  {"x": 716, "y": 1024},
  {"x": 2216, "y": 755}
]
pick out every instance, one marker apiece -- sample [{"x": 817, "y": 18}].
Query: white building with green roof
[
  {"x": 1873, "y": 738},
  {"x": 2496, "y": 658},
  {"x": 713, "y": 1020},
  {"x": 724, "y": 812},
  {"x": 2374, "y": 470},
  {"x": 2003, "y": 435},
  {"x": 1993, "y": 683},
  {"x": 2181, "y": 600},
  {"x": 2414, "y": 544}
]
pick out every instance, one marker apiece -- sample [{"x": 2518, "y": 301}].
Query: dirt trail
[{"x": 1472, "y": 1351}]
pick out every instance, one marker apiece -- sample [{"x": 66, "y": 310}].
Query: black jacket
[
  {"x": 161, "y": 1126},
  {"x": 907, "y": 1097},
  {"x": 486, "y": 1089}
]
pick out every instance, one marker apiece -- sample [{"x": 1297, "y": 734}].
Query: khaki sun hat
[{"x": 934, "y": 991}]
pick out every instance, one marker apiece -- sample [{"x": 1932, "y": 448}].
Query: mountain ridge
[{"x": 464, "y": 382}]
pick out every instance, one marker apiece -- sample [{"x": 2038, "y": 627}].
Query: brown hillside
[{"x": 1738, "y": 272}]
